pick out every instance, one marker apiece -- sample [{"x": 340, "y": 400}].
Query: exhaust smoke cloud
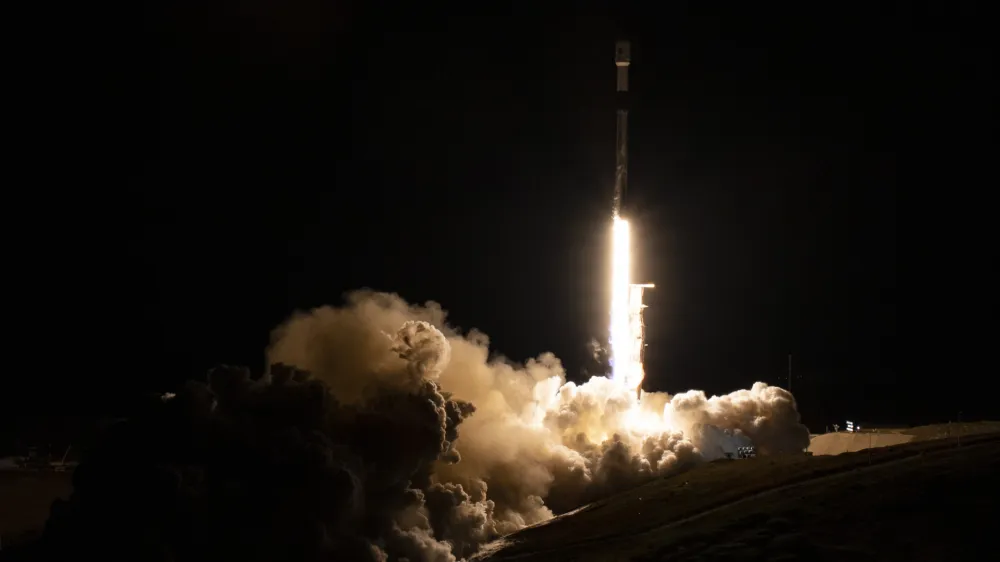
[{"x": 380, "y": 433}]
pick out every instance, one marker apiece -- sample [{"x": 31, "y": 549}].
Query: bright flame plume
[{"x": 627, "y": 329}]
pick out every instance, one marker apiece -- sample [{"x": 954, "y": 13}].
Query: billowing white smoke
[
  {"x": 535, "y": 444},
  {"x": 423, "y": 347}
]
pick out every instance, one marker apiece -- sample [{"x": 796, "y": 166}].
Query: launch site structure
[{"x": 637, "y": 326}]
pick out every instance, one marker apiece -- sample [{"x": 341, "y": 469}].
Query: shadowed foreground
[
  {"x": 919, "y": 501},
  {"x": 25, "y": 499}
]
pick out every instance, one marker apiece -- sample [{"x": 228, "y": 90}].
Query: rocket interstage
[{"x": 627, "y": 327}]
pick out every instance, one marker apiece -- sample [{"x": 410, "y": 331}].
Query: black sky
[{"x": 248, "y": 160}]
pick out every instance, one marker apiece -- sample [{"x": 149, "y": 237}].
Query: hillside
[
  {"x": 928, "y": 500},
  {"x": 25, "y": 499},
  {"x": 844, "y": 442},
  {"x": 797, "y": 504}
]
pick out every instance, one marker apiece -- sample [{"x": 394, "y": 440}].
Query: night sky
[{"x": 246, "y": 161}]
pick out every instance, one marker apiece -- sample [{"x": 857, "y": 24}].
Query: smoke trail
[{"x": 382, "y": 434}]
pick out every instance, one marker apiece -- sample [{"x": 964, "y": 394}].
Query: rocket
[
  {"x": 636, "y": 325},
  {"x": 622, "y": 60}
]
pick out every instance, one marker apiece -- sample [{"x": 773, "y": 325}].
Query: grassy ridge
[{"x": 667, "y": 500}]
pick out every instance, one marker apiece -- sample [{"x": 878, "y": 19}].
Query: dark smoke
[{"x": 273, "y": 469}]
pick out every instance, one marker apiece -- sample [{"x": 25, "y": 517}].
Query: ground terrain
[
  {"x": 923, "y": 500},
  {"x": 843, "y": 442},
  {"x": 25, "y": 498},
  {"x": 923, "y": 493}
]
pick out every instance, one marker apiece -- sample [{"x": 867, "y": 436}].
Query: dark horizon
[{"x": 277, "y": 158}]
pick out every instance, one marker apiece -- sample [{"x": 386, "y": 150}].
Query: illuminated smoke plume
[
  {"x": 536, "y": 443},
  {"x": 382, "y": 434}
]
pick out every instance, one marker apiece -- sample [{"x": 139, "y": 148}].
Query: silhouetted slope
[{"x": 919, "y": 501}]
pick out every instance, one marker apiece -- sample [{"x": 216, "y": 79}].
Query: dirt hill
[
  {"x": 843, "y": 442},
  {"x": 926, "y": 500}
]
